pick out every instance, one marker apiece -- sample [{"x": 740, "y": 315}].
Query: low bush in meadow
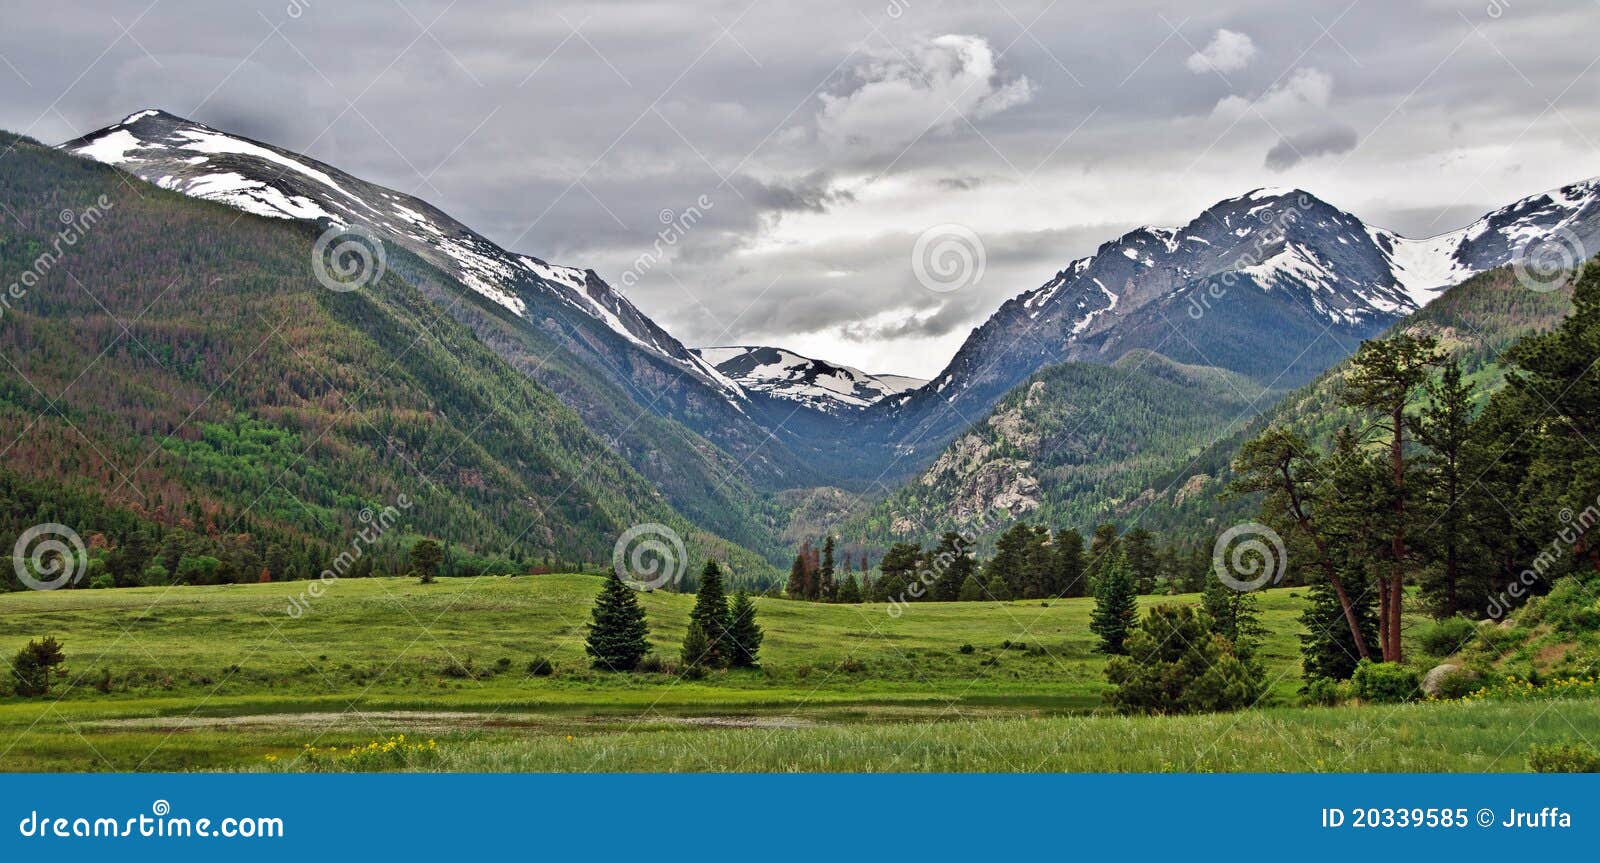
[{"x": 1564, "y": 758}]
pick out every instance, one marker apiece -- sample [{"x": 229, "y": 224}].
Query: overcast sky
[{"x": 827, "y": 137}]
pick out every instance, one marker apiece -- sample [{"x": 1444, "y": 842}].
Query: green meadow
[{"x": 225, "y": 678}]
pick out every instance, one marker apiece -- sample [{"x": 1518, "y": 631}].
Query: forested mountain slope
[
  {"x": 1149, "y": 441},
  {"x": 1069, "y": 446},
  {"x": 678, "y": 421},
  {"x": 176, "y": 367}
]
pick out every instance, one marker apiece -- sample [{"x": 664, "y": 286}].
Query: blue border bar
[{"x": 805, "y": 817}]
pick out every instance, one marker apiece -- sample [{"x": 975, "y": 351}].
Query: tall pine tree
[
  {"x": 617, "y": 635},
  {"x": 1116, "y": 606},
  {"x": 1384, "y": 374},
  {"x": 710, "y": 614},
  {"x": 744, "y": 633}
]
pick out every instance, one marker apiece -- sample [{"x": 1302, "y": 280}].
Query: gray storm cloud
[
  {"x": 1292, "y": 149},
  {"x": 830, "y": 133}
]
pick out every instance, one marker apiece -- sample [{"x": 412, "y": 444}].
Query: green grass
[
  {"x": 1485, "y": 737},
  {"x": 222, "y": 677}
]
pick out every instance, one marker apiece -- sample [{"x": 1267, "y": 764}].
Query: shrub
[
  {"x": 1385, "y": 682},
  {"x": 458, "y": 670},
  {"x": 1532, "y": 688},
  {"x": 1445, "y": 637},
  {"x": 1326, "y": 692},
  {"x": 155, "y": 575},
  {"x": 1460, "y": 683},
  {"x": 1564, "y": 758},
  {"x": 541, "y": 667},
  {"x": 1174, "y": 665},
  {"x": 967, "y": 648},
  {"x": 654, "y": 664}
]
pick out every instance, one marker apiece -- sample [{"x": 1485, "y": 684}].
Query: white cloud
[
  {"x": 1306, "y": 90},
  {"x": 1227, "y": 52},
  {"x": 929, "y": 87}
]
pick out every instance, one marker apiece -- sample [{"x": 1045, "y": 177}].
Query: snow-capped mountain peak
[
  {"x": 1283, "y": 242},
  {"x": 817, "y": 384},
  {"x": 203, "y": 162}
]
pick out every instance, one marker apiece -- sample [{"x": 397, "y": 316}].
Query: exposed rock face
[
  {"x": 1193, "y": 486},
  {"x": 977, "y": 475}
]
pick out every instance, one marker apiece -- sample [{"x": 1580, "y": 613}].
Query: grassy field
[{"x": 225, "y": 677}]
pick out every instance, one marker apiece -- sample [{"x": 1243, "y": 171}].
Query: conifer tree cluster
[
  {"x": 1028, "y": 562},
  {"x": 1437, "y": 487},
  {"x": 718, "y": 636}
]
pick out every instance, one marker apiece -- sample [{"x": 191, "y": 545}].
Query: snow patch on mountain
[
  {"x": 202, "y": 162},
  {"x": 817, "y": 384}
]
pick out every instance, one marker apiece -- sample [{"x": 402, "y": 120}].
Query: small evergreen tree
[
  {"x": 426, "y": 556},
  {"x": 744, "y": 633},
  {"x": 899, "y": 565},
  {"x": 1455, "y": 582},
  {"x": 1009, "y": 565},
  {"x": 35, "y": 666},
  {"x": 825, "y": 582},
  {"x": 971, "y": 590},
  {"x": 850, "y": 589},
  {"x": 1327, "y": 650},
  {"x": 1234, "y": 615},
  {"x": 796, "y": 587},
  {"x": 696, "y": 646},
  {"x": 711, "y": 613},
  {"x": 1116, "y": 606},
  {"x": 617, "y": 635}
]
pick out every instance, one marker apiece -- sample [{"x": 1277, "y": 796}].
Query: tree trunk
[
  {"x": 1391, "y": 647},
  {"x": 1383, "y": 616},
  {"x": 1327, "y": 567}
]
